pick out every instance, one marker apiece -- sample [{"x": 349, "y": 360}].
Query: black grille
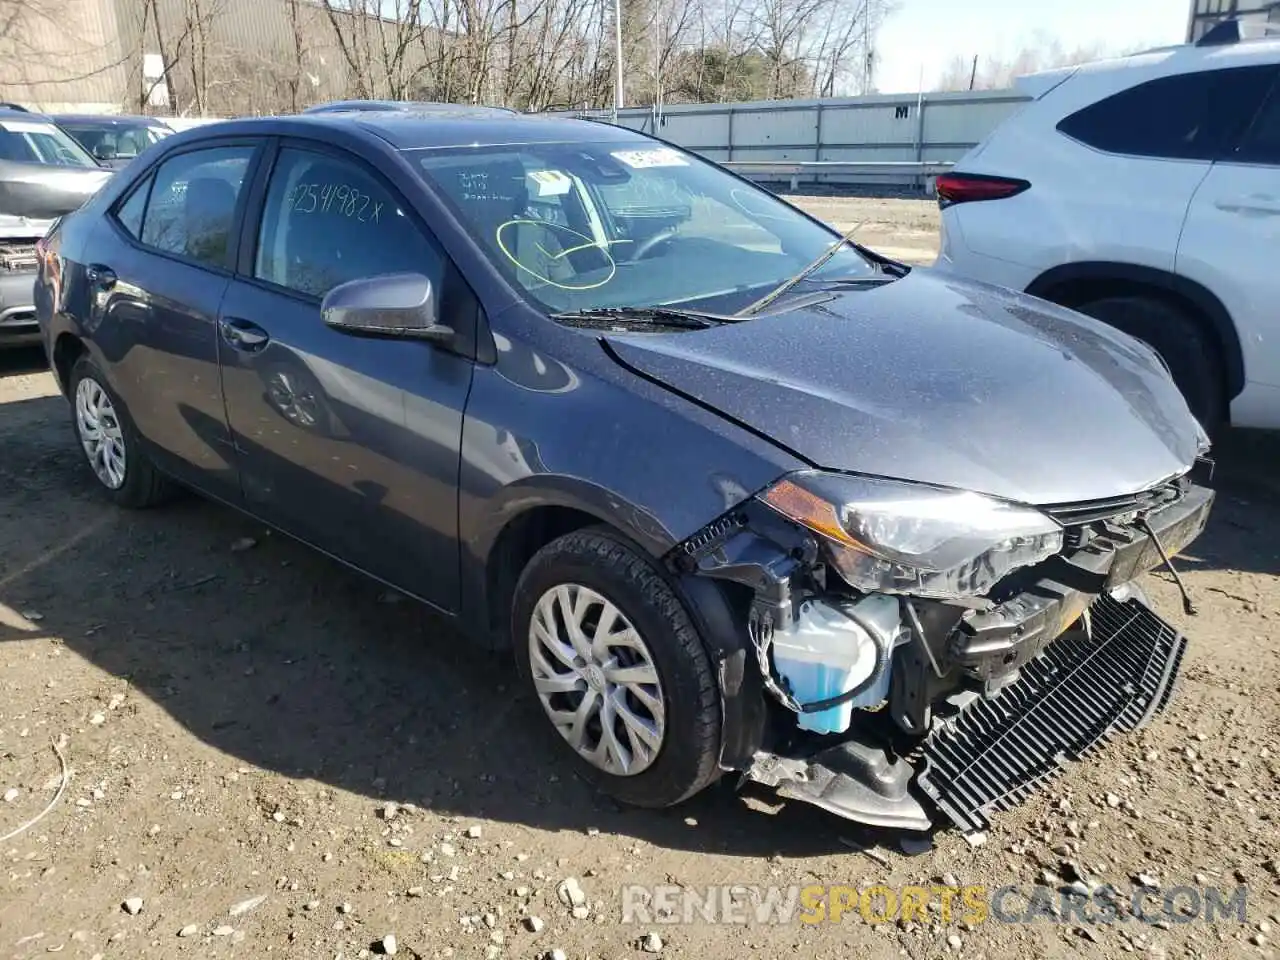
[
  {"x": 1089, "y": 511},
  {"x": 1066, "y": 701}
]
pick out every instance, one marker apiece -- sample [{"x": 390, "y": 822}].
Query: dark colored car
[
  {"x": 43, "y": 174},
  {"x": 113, "y": 140},
  {"x": 741, "y": 496},
  {"x": 425, "y": 107}
]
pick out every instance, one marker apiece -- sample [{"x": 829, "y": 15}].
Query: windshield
[
  {"x": 585, "y": 226},
  {"x": 34, "y": 141},
  {"x": 112, "y": 142}
]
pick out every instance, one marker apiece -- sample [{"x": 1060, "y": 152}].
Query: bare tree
[{"x": 999, "y": 72}]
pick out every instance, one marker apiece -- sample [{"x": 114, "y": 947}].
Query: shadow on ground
[
  {"x": 290, "y": 662},
  {"x": 16, "y": 361}
]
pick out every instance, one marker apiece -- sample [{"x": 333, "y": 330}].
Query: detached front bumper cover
[{"x": 1066, "y": 701}]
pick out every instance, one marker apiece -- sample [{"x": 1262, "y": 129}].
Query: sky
[{"x": 932, "y": 32}]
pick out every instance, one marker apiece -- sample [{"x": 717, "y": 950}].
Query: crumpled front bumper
[
  {"x": 992, "y": 751},
  {"x": 988, "y": 703}
]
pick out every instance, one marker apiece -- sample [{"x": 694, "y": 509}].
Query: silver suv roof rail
[{"x": 1232, "y": 31}]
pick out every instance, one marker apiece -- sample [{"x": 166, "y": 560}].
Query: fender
[{"x": 1050, "y": 283}]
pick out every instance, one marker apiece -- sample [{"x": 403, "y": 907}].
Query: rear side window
[
  {"x": 1192, "y": 116},
  {"x": 192, "y": 205},
  {"x": 1262, "y": 142},
  {"x": 328, "y": 220}
]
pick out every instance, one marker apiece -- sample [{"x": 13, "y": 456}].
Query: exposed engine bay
[{"x": 898, "y": 690}]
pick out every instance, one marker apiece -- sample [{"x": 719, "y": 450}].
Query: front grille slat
[
  {"x": 1067, "y": 701},
  {"x": 1090, "y": 511}
]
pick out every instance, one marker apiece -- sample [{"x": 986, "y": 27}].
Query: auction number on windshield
[{"x": 337, "y": 198}]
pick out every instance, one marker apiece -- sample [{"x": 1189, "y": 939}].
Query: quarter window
[
  {"x": 130, "y": 213},
  {"x": 192, "y": 206},
  {"x": 1191, "y": 116},
  {"x": 328, "y": 220}
]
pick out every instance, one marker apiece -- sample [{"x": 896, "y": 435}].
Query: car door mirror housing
[{"x": 392, "y": 305}]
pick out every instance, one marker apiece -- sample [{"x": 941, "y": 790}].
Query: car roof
[
  {"x": 109, "y": 119},
  {"x": 408, "y": 106},
  {"x": 427, "y": 129},
  {"x": 19, "y": 114}
]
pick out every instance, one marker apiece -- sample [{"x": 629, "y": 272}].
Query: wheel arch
[
  {"x": 714, "y": 607},
  {"x": 1075, "y": 284},
  {"x": 67, "y": 349}
]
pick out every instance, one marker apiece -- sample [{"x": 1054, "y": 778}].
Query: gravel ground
[{"x": 269, "y": 754}]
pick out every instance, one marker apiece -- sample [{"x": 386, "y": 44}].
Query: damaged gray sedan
[{"x": 743, "y": 498}]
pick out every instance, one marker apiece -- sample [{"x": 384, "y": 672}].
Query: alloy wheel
[
  {"x": 596, "y": 679},
  {"x": 100, "y": 433}
]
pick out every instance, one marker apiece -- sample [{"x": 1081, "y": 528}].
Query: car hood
[
  {"x": 942, "y": 381},
  {"x": 44, "y": 191}
]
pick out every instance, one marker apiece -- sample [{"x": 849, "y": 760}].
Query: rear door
[
  {"x": 350, "y": 443},
  {"x": 1231, "y": 244},
  {"x": 159, "y": 267}
]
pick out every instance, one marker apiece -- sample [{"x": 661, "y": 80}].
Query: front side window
[
  {"x": 627, "y": 224},
  {"x": 328, "y": 220},
  {"x": 34, "y": 141},
  {"x": 192, "y": 207},
  {"x": 1262, "y": 142},
  {"x": 1191, "y": 116}
]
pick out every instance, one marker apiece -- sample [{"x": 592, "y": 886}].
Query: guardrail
[{"x": 794, "y": 170}]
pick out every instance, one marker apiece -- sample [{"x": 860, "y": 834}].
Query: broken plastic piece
[{"x": 853, "y": 780}]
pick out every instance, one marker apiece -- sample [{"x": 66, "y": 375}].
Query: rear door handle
[
  {"x": 1250, "y": 203},
  {"x": 100, "y": 276},
  {"x": 243, "y": 334}
]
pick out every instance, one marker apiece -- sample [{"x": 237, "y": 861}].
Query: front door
[{"x": 350, "y": 443}]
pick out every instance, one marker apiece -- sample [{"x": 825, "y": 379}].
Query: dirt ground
[{"x": 236, "y": 712}]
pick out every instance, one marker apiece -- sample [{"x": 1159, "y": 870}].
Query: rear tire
[
  {"x": 1190, "y": 352},
  {"x": 637, "y": 663},
  {"x": 110, "y": 441}
]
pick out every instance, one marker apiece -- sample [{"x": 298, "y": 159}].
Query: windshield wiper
[
  {"x": 652, "y": 316},
  {"x": 787, "y": 284}
]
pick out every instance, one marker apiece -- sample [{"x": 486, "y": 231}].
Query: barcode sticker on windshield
[
  {"x": 26, "y": 126},
  {"x": 656, "y": 157},
  {"x": 550, "y": 183}
]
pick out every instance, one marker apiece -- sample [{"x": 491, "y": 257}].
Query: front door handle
[
  {"x": 100, "y": 276},
  {"x": 243, "y": 334},
  {"x": 1263, "y": 203}
]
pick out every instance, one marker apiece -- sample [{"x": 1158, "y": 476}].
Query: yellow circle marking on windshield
[{"x": 613, "y": 265}]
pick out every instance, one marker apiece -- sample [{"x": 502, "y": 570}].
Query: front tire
[
  {"x": 617, "y": 667},
  {"x": 110, "y": 441}
]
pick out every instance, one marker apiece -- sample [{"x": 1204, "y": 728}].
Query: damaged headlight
[{"x": 887, "y": 536}]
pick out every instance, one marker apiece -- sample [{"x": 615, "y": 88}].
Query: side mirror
[{"x": 392, "y": 305}]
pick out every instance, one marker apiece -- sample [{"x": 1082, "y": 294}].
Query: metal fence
[{"x": 897, "y": 140}]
